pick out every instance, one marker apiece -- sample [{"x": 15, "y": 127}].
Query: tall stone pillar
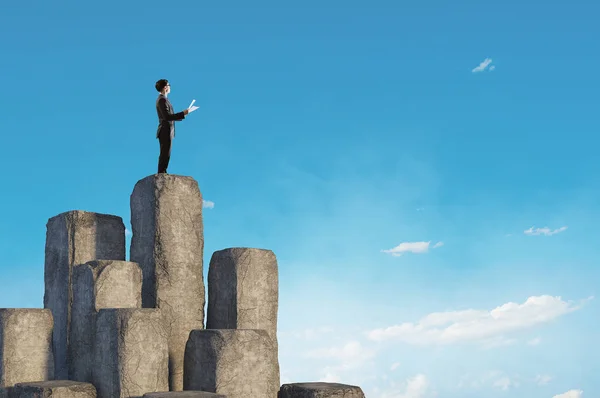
[
  {"x": 168, "y": 244},
  {"x": 97, "y": 285},
  {"x": 25, "y": 346},
  {"x": 243, "y": 290},
  {"x": 74, "y": 238}
]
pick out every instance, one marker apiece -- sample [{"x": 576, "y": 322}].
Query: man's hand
[{"x": 186, "y": 111}]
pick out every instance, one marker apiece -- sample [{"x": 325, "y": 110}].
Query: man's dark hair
[{"x": 162, "y": 83}]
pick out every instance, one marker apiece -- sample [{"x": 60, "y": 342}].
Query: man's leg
[{"x": 165, "y": 152}]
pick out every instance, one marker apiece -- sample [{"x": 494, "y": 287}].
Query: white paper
[
  {"x": 192, "y": 109},
  {"x": 192, "y": 104}
]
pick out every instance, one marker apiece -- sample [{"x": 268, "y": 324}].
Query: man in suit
[{"x": 166, "y": 123}]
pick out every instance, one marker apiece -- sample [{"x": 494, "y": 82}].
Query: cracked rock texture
[
  {"x": 183, "y": 394},
  {"x": 320, "y": 390},
  {"x": 25, "y": 345},
  {"x": 97, "y": 285},
  {"x": 243, "y": 290},
  {"x": 130, "y": 352},
  {"x": 235, "y": 363},
  {"x": 54, "y": 389},
  {"x": 74, "y": 238},
  {"x": 168, "y": 244}
]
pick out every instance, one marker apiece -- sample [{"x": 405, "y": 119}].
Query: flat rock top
[
  {"x": 54, "y": 384},
  {"x": 183, "y": 394},
  {"x": 320, "y": 386}
]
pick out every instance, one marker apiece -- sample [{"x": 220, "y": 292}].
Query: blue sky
[{"x": 330, "y": 134}]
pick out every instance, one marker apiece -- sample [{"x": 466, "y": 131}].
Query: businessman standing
[{"x": 166, "y": 123}]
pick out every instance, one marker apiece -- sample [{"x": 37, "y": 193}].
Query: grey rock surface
[
  {"x": 96, "y": 285},
  {"x": 183, "y": 394},
  {"x": 168, "y": 244},
  {"x": 130, "y": 352},
  {"x": 25, "y": 345},
  {"x": 74, "y": 238},
  {"x": 54, "y": 389},
  {"x": 320, "y": 390},
  {"x": 243, "y": 290},
  {"x": 235, "y": 363}
]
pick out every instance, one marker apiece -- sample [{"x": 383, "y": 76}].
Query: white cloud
[
  {"x": 411, "y": 247},
  {"x": 542, "y": 380},
  {"x": 505, "y": 383},
  {"x": 483, "y": 65},
  {"x": 351, "y": 354},
  {"x": 208, "y": 204},
  {"x": 543, "y": 231},
  {"x": 535, "y": 341},
  {"x": 312, "y": 333},
  {"x": 128, "y": 232},
  {"x": 570, "y": 394},
  {"x": 492, "y": 68},
  {"x": 330, "y": 378},
  {"x": 477, "y": 325},
  {"x": 394, "y": 365},
  {"x": 414, "y": 387},
  {"x": 490, "y": 379}
]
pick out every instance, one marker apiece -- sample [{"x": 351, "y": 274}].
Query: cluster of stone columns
[{"x": 112, "y": 328}]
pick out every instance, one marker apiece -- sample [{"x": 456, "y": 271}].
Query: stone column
[
  {"x": 25, "y": 346},
  {"x": 181, "y": 394},
  {"x": 130, "y": 353},
  {"x": 320, "y": 390},
  {"x": 74, "y": 238},
  {"x": 97, "y": 285},
  {"x": 234, "y": 363},
  {"x": 243, "y": 290},
  {"x": 54, "y": 388},
  {"x": 168, "y": 244}
]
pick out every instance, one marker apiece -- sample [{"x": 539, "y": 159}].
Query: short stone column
[
  {"x": 320, "y": 390},
  {"x": 74, "y": 238},
  {"x": 235, "y": 363},
  {"x": 168, "y": 244},
  {"x": 243, "y": 290},
  {"x": 54, "y": 388},
  {"x": 25, "y": 345},
  {"x": 183, "y": 394},
  {"x": 130, "y": 353},
  {"x": 96, "y": 285}
]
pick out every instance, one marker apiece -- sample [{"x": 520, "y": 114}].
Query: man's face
[{"x": 168, "y": 88}]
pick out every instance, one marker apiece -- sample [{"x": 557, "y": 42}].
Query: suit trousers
[{"x": 164, "y": 139}]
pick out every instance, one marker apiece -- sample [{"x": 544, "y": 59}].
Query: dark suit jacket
[{"x": 166, "y": 117}]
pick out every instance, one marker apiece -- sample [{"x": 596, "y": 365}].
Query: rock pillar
[
  {"x": 74, "y": 238},
  {"x": 97, "y": 285},
  {"x": 168, "y": 244},
  {"x": 234, "y": 363},
  {"x": 25, "y": 346},
  {"x": 243, "y": 290},
  {"x": 130, "y": 353}
]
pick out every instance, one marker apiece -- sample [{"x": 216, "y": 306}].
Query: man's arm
[{"x": 162, "y": 108}]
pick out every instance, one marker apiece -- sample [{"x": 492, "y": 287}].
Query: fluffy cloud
[
  {"x": 411, "y": 247},
  {"x": 535, "y": 341},
  {"x": 350, "y": 355},
  {"x": 415, "y": 387},
  {"x": 505, "y": 383},
  {"x": 128, "y": 232},
  {"x": 477, "y": 325},
  {"x": 311, "y": 333},
  {"x": 570, "y": 394},
  {"x": 544, "y": 231},
  {"x": 483, "y": 66},
  {"x": 208, "y": 204},
  {"x": 542, "y": 380}
]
